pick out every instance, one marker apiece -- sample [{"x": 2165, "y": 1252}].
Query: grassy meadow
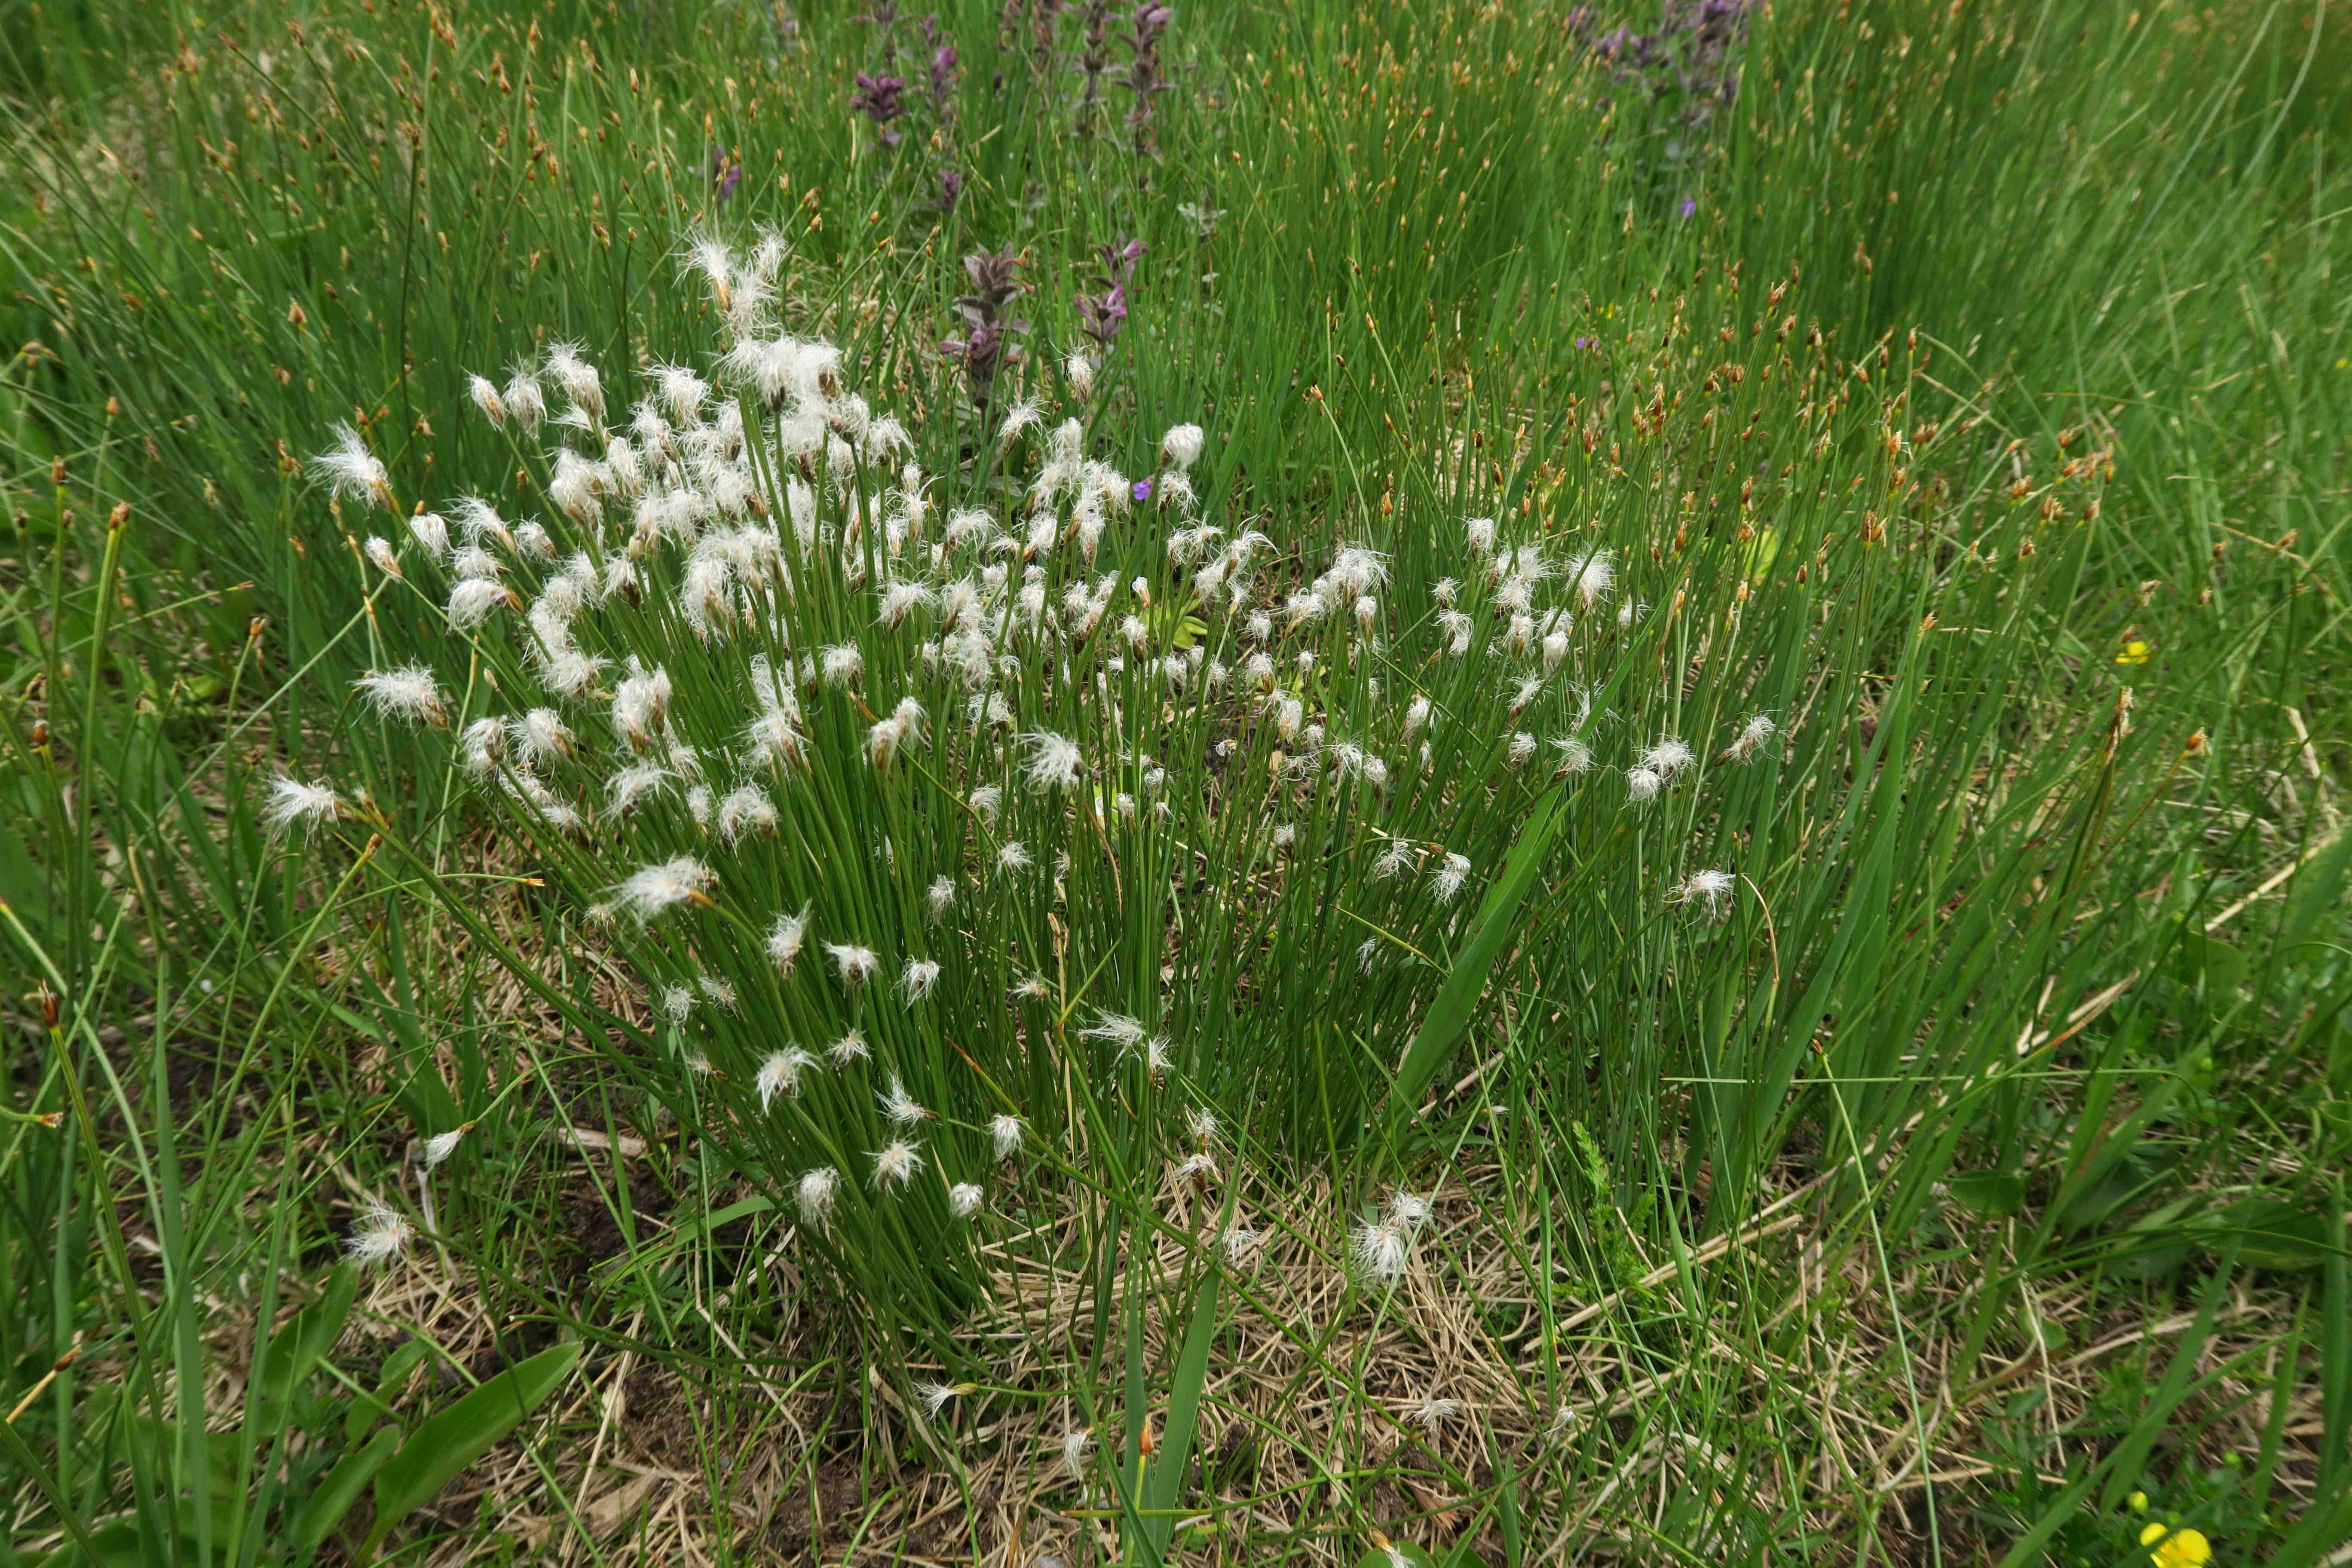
[{"x": 1041, "y": 782}]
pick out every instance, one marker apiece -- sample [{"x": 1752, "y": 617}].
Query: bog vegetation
[{"x": 1112, "y": 784}]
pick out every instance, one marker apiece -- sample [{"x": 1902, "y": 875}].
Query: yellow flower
[
  {"x": 2135, "y": 652},
  {"x": 2138, "y": 1502},
  {"x": 2178, "y": 1549}
]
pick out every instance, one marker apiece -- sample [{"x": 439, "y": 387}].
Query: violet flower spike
[{"x": 877, "y": 97}]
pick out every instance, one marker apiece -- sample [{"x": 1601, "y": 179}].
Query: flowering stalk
[
  {"x": 1146, "y": 29},
  {"x": 983, "y": 347}
]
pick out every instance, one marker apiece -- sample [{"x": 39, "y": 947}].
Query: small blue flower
[{"x": 1140, "y": 489}]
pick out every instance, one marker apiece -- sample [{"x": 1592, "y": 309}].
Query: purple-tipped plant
[
  {"x": 985, "y": 344},
  {"x": 877, "y": 98},
  {"x": 951, "y": 187},
  {"x": 1094, "y": 58},
  {"x": 1042, "y": 15},
  {"x": 1144, "y": 79},
  {"x": 1103, "y": 312},
  {"x": 944, "y": 75},
  {"x": 879, "y": 94},
  {"x": 883, "y": 19},
  {"x": 945, "y": 70},
  {"x": 1684, "y": 62},
  {"x": 725, "y": 171}
]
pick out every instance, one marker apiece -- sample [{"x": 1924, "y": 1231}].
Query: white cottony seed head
[
  {"x": 1053, "y": 762},
  {"x": 1667, "y": 757},
  {"x": 1409, "y": 1211},
  {"x": 896, "y": 1165},
  {"x": 1709, "y": 889},
  {"x": 920, "y": 976},
  {"x": 655, "y": 889},
  {"x": 1432, "y": 1414},
  {"x": 785, "y": 939},
  {"x": 817, "y": 1195},
  {"x": 409, "y": 693},
  {"x": 296, "y": 807},
  {"x": 352, "y": 472},
  {"x": 780, "y": 1074},
  {"x": 1118, "y": 1029},
  {"x": 899, "y": 1106},
  {"x": 1593, "y": 576},
  {"x": 379, "y": 1235},
  {"x": 1004, "y": 1131},
  {"x": 1446, "y": 881},
  {"x": 471, "y": 600},
  {"x": 485, "y": 393},
  {"x": 854, "y": 964},
  {"x": 441, "y": 1145},
  {"x": 1380, "y": 1251},
  {"x": 1750, "y": 738}
]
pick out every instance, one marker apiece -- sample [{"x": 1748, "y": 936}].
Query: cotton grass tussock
[{"x": 746, "y": 628}]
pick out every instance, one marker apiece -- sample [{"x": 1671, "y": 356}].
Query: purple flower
[
  {"x": 725, "y": 171},
  {"x": 1688, "y": 206},
  {"x": 1586, "y": 344},
  {"x": 980, "y": 344},
  {"x": 1100, "y": 316},
  {"x": 1145, "y": 78},
  {"x": 1102, "y": 313},
  {"x": 1140, "y": 489},
  {"x": 951, "y": 187},
  {"x": 1685, "y": 62},
  {"x": 877, "y": 97}
]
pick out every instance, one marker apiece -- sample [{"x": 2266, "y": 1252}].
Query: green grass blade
[
  {"x": 1448, "y": 1017},
  {"x": 1183, "y": 1414},
  {"x": 454, "y": 1439}
]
